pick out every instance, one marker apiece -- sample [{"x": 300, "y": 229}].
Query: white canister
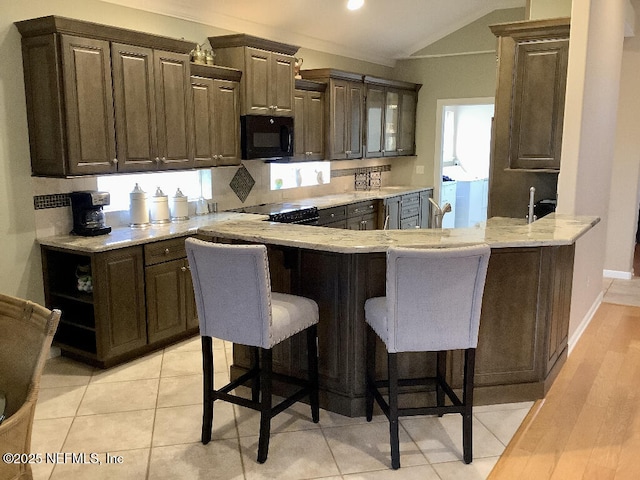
[
  {"x": 159, "y": 211},
  {"x": 138, "y": 208},
  {"x": 179, "y": 206}
]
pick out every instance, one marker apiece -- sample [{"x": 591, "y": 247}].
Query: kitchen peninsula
[{"x": 525, "y": 314}]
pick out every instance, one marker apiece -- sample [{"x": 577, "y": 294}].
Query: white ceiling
[{"x": 380, "y": 32}]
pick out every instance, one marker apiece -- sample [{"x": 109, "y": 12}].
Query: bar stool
[
  {"x": 432, "y": 304},
  {"x": 235, "y": 303}
]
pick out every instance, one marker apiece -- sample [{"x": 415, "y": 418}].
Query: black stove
[{"x": 285, "y": 212}]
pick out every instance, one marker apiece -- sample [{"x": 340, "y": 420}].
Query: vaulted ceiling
[{"x": 381, "y": 31}]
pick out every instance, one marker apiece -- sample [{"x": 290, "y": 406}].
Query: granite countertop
[{"x": 551, "y": 230}]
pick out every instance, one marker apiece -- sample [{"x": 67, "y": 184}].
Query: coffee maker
[{"x": 88, "y": 217}]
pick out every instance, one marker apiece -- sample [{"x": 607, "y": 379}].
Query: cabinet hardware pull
[
  {"x": 114, "y": 161},
  {"x": 371, "y": 207},
  {"x": 164, "y": 160},
  {"x": 333, "y": 215},
  {"x": 184, "y": 269},
  {"x": 166, "y": 251}
]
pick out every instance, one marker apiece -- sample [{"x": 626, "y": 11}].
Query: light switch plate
[{"x": 420, "y": 169}]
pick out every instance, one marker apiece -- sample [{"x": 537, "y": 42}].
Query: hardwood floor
[{"x": 588, "y": 426}]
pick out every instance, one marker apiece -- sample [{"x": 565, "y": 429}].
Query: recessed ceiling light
[{"x": 355, "y": 4}]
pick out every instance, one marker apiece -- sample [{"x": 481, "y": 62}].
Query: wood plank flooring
[{"x": 588, "y": 425}]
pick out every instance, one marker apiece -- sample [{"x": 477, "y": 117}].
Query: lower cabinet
[
  {"x": 119, "y": 304},
  {"x": 411, "y": 210},
  {"x": 362, "y": 215}
]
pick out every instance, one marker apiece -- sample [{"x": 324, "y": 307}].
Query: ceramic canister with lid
[
  {"x": 159, "y": 211},
  {"x": 179, "y": 206},
  {"x": 138, "y": 208}
]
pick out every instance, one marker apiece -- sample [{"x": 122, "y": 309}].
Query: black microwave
[{"x": 266, "y": 137}]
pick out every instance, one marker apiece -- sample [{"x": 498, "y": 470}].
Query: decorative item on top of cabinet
[
  {"x": 268, "y": 72},
  {"x": 343, "y": 112},
  {"x": 390, "y": 117},
  {"x": 71, "y": 111},
  {"x": 530, "y": 93},
  {"x": 308, "y": 133},
  {"x": 216, "y": 111}
]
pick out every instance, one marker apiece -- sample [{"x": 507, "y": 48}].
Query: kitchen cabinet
[
  {"x": 390, "y": 116},
  {"x": 96, "y": 105},
  {"x": 309, "y": 120},
  {"x": 171, "y": 308},
  {"x": 530, "y": 93},
  {"x": 141, "y": 300},
  {"x": 362, "y": 215},
  {"x": 411, "y": 210},
  {"x": 344, "y": 112},
  {"x": 267, "y": 67},
  {"x": 333, "y": 217},
  {"x": 216, "y": 115}
]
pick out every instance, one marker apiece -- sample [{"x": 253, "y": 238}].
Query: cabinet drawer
[
  {"x": 362, "y": 208},
  {"x": 333, "y": 214},
  {"x": 163, "y": 251},
  {"x": 411, "y": 222}
]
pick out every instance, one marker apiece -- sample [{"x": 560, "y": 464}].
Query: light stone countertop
[{"x": 551, "y": 230}]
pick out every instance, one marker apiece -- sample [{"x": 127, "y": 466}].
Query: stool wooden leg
[
  {"x": 370, "y": 372},
  {"x": 467, "y": 400},
  {"x": 393, "y": 410},
  {"x": 255, "y": 365},
  {"x": 207, "y": 389},
  {"x": 441, "y": 373},
  {"x": 312, "y": 365},
  {"x": 265, "y": 404}
]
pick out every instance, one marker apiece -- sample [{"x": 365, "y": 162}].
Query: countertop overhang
[{"x": 551, "y": 230}]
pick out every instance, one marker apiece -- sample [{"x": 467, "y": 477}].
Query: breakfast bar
[{"x": 525, "y": 313}]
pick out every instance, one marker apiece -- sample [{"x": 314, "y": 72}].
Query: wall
[
  {"x": 538, "y": 9},
  {"x": 623, "y": 205},
  {"x": 593, "y": 81}
]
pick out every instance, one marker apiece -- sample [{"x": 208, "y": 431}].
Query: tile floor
[
  {"x": 147, "y": 414},
  {"x": 622, "y": 292}
]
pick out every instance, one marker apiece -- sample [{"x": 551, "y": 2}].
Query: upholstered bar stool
[
  {"x": 432, "y": 304},
  {"x": 235, "y": 303}
]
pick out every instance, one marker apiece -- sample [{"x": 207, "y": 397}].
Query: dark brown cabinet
[
  {"x": 141, "y": 300},
  {"x": 170, "y": 300},
  {"x": 333, "y": 217},
  {"x": 362, "y": 215},
  {"x": 309, "y": 120},
  {"x": 344, "y": 112},
  {"x": 216, "y": 112},
  {"x": 530, "y": 93},
  {"x": 411, "y": 210},
  {"x": 390, "y": 116},
  {"x": 97, "y": 106},
  {"x": 267, "y": 82}
]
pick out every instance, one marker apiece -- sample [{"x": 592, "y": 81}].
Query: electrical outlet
[{"x": 420, "y": 169}]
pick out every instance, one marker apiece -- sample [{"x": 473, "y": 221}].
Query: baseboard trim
[
  {"x": 573, "y": 340},
  {"x": 617, "y": 274}
]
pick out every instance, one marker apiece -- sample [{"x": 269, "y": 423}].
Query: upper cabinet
[
  {"x": 390, "y": 117},
  {"x": 98, "y": 106},
  {"x": 216, "y": 115},
  {"x": 530, "y": 93},
  {"x": 308, "y": 135},
  {"x": 344, "y": 112},
  {"x": 268, "y": 72}
]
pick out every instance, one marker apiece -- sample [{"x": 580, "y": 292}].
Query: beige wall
[
  {"x": 595, "y": 52},
  {"x": 538, "y": 9}
]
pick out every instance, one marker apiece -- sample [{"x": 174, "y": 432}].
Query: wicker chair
[{"x": 27, "y": 331}]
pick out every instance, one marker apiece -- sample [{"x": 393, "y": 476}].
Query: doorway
[{"x": 463, "y": 152}]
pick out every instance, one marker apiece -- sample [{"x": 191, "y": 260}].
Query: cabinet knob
[
  {"x": 333, "y": 215},
  {"x": 183, "y": 269},
  {"x": 370, "y": 207},
  {"x": 164, "y": 160},
  {"x": 166, "y": 251},
  {"x": 157, "y": 159},
  {"x": 114, "y": 161},
  {"x": 401, "y": 149}
]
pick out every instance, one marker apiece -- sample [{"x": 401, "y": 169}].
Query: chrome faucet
[
  {"x": 438, "y": 213},
  {"x": 531, "y": 217}
]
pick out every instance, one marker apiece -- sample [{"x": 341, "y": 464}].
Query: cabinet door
[
  {"x": 407, "y": 123},
  {"x": 226, "y": 122},
  {"x": 391, "y": 119},
  {"x": 135, "y": 108},
  {"x": 256, "y": 77},
  {"x": 538, "y": 104},
  {"x": 338, "y": 119},
  {"x": 281, "y": 84},
  {"x": 119, "y": 301},
  {"x": 374, "y": 120},
  {"x": 392, "y": 213},
  {"x": 173, "y": 109},
  {"x": 166, "y": 299},
  {"x": 203, "y": 122},
  {"x": 88, "y": 101},
  {"x": 355, "y": 115},
  {"x": 314, "y": 135},
  {"x": 299, "y": 124}
]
